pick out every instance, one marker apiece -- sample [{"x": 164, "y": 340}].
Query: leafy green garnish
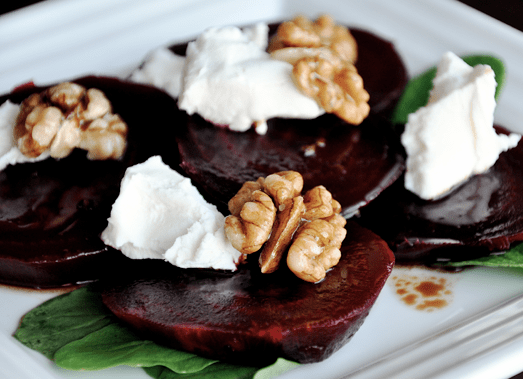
[
  {"x": 279, "y": 367},
  {"x": 416, "y": 93},
  {"x": 225, "y": 371},
  {"x": 116, "y": 345},
  {"x": 511, "y": 258},
  {"x": 219, "y": 370},
  {"x": 62, "y": 320},
  {"x": 79, "y": 333}
]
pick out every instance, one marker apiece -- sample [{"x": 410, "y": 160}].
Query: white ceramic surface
[{"x": 478, "y": 335}]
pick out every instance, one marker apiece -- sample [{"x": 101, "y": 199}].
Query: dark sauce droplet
[{"x": 421, "y": 289}]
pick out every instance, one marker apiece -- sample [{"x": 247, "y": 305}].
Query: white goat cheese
[
  {"x": 229, "y": 79},
  {"x": 160, "y": 214},
  {"x": 452, "y": 137},
  {"x": 10, "y": 154},
  {"x": 162, "y": 69}
]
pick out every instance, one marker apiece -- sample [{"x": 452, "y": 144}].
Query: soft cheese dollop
[
  {"x": 10, "y": 154},
  {"x": 160, "y": 214},
  {"x": 452, "y": 137},
  {"x": 229, "y": 79},
  {"x": 162, "y": 69}
]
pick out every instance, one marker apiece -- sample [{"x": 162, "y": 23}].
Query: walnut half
[
  {"x": 270, "y": 214},
  {"x": 323, "y": 55},
  {"x": 337, "y": 88},
  {"x": 69, "y": 116},
  {"x": 286, "y": 224},
  {"x": 248, "y": 231},
  {"x": 323, "y": 32},
  {"x": 314, "y": 251},
  {"x": 283, "y": 186}
]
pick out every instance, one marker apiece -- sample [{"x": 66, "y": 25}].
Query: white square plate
[{"x": 479, "y": 335}]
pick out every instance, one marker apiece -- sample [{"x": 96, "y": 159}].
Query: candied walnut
[
  {"x": 249, "y": 231},
  {"x": 68, "y": 116},
  {"x": 287, "y": 221},
  {"x": 337, "y": 88},
  {"x": 244, "y": 195},
  {"x": 283, "y": 186},
  {"x": 324, "y": 32},
  {"x": 314, "y": 251}
]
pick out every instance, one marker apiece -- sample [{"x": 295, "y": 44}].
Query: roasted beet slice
[
  {"x": 483, "y": 215},
  {"x": 52, "y": 212},
  {"x": 382, "y": 69},
  {"x": 253, "y": 318},
  {"x": 355, "y": 163}
]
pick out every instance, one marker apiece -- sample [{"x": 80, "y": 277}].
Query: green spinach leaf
[
  {"x": 511, "y": 258},
  {"x": 216, "y": 371},
  {"x": 79, "y": 333},
  {"x": 116, "y": 345},
  {"x": 63, "y": 319},
  {"x": 226, "y": 371},
  {"x": 277, "y": 368}
]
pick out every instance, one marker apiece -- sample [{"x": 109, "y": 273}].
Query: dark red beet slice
[
  {"x": 355, "y": 163},
  {"x": 52, "y": 212},
  {"x": 253, "y": 318},
  {"x": 483, "y": 215},
  {"x": 382, "y": 69}
]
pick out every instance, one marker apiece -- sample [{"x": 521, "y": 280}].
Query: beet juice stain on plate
[{"x": 423, "y": 289}]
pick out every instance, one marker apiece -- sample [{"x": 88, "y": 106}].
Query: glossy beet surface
[
  {"x": 354, "y": 162},
  {"x": 253, "y": 318},
  {"x": 52, "y": 212},
  {"x": 484, "y": 214},
  {"x": 383, "y": 72}
]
